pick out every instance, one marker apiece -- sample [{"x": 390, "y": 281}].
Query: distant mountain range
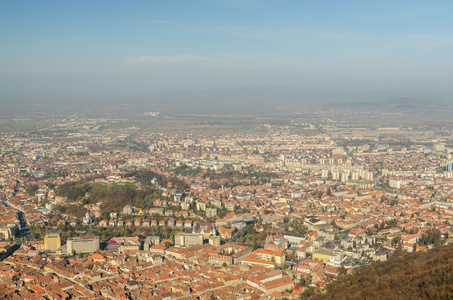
[
  {"x": 397, "y": 104},
  {"x": 239, "y": 100}
]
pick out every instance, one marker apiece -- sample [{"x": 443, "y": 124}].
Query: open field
[{"x": 348, "y": 122}]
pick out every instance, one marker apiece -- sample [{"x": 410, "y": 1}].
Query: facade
[
  {"x": 323, "y": 255},
  {"x": 7, "y": 231},
  {"x": 188, "y": 239},
  {"x": 124, "y": 244},
  {"x": 294, "y": 238},
  {"x": 114, "y": 247},
  {"x": 52, "y": 241},
  {"x": 449, "y": 166},
  {"x": 87, "y": 220},
  {"x": 214, "y": 241},
  {"x": 270, "y": 282},
  {"x": 275, "y": 256},
  {"x": 215, "y": 259},
  {"x": 83, "y": 244},
  {"x": 211, "y": 212},
  {"x": 150, "y": 241}
]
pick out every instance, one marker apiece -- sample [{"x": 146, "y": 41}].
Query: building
[
  {"x": 8, "y": 230},
  {"x": 439, "y": 147},
  {"x": 219, "y": 260},
  {"x": 124, "y": 244},
  {"x": 337, "y": 258},
  {"x": 127, "y": 210},
  {"x": 271, "y": 282},
  {"x": 82, "y": 244},
  {"x": 265, "y": 258},
  {"x": 214, "y": 241},
  {"x": 52, "y": 241},
  {"x": 275, "y": 256},
  {"x": 188, "y": 239},
  {"x": 113, "y": 247},
  {"x": 150, "y": 241},
  {"x": 294, "y": 238},
  {"x": 449, "y": 166},
  {"x": 323, "y": 254},
  {"x": 239, "y": 252},
  {"x": 211, "y": 212},
  {"x": 87, "y": 220}
]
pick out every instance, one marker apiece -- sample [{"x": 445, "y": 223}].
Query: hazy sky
[{"x": 62, "y": 48}]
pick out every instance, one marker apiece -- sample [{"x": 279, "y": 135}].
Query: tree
[
  {"x": 307, "y": 293},
  {"x": 249, "y": 229},
  {"x": 301, "y": 281},
  {"x": 213, "y": 297},
  {"x": 342, "y": 271},
  {"x": 32, "y": 189}
]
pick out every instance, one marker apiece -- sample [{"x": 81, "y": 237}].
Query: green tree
[
  {"x": 32, "y": 189},
  {"x": 249, "y": 229},
  {"x": 301, "y": 281},
  {"x": 342, "y": 271}
]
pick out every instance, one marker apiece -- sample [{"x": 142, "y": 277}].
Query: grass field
[{"x": 168, "y": 123}]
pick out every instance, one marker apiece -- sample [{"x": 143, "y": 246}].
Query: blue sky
[{"x": 62, "y": 48}]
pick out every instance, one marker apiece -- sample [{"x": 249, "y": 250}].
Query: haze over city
[{"x": 142, "y": 52}]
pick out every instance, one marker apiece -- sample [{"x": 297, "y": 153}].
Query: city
[
  {"x": 226, "y": 149},
  {"x": 277, "y": 212}
]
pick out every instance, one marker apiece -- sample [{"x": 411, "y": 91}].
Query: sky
[{"x": 70, "y": 49}]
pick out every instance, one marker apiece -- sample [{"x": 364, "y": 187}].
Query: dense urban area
[{"x": 157, "y": 206}]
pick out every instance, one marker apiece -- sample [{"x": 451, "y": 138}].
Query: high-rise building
[
  {"x": 52, "y": 241},
  {"x": 439, "y": 147},
  {"x": 188, "y": 239},
  {"x": 450, "y": 166},
  {"x": 83, "y": 244}
]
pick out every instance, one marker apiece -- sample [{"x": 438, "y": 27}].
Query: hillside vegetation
[{"x": 422, "y": 275}]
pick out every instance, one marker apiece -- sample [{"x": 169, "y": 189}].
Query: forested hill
[{"x": 422, "y": 275}]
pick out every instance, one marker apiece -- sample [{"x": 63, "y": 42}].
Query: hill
[
  {"x": 422, "y": 275},
  {"x": 402, "y": 104}
]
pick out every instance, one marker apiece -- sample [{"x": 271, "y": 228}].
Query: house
[
  {"x": 275, "y": 256},
  {"x": 124, "y": 244},
  {"x": 188, "y": 224},
  {"x": 271, "y": 282}
]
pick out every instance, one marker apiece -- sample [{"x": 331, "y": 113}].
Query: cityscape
[
  {"x": 91, "y": 209},
  {"x": 226, "y": 149}
]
